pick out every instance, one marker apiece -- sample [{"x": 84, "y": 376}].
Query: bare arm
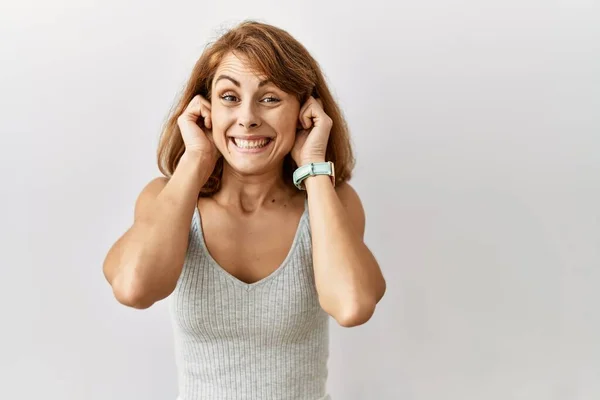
[
  {"x": 348, "y": 278},
  {"x": 143, "y": 266}
]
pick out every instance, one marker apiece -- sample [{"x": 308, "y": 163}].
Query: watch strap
[{"x": 313, "y": 169}]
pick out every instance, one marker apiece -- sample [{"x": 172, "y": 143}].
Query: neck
[{"x": 248, "y": 193}]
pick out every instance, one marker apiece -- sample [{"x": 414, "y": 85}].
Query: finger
[
  {"x": 207, "y": 117},
  {"x": 205, "y": 111},
  {"x": 303, "y": 112},
  {"x": 303, "y": 108},
  {"x": 193, "y": 107},
  {"x": 300, "y": 113},
  {"x": 314, "y": 115},
  {"x": 300, "y": 121},
  {"x": 205, "y": 105},
  {"x": 197, "y": 107},
  {"x": 307, "y": 121}
]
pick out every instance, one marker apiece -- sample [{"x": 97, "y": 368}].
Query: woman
[{"x": 254, "y": 233}]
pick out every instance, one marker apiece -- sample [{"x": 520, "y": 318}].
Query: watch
[{"x": 312, "y": 169}]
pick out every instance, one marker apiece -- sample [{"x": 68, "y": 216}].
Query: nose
[
  {"x": 248, "y": 118},
  {"x": 249, "y": 125}
]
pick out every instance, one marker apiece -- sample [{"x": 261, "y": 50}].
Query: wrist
[
  {"x": 198, "y": 165},
  {"x": 309, "y": 160},
  {"x": 202, "y": 160},
  {"x": 316, "y": 181}
]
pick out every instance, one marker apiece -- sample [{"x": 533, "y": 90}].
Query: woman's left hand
[{"x": 313, "y": 133}]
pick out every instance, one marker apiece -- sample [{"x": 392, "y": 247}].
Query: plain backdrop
[{"x": 476, "y": 126}]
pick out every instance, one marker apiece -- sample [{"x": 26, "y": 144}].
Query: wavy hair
[{"x": 274, "y": 53}]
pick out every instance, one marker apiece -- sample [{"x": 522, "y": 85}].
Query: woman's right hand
[{"x": 195, "y": 124}]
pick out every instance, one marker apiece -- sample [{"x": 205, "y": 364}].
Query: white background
[{"x": 477, "y": 132}]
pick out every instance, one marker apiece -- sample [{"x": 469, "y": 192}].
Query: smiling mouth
[{"x": 251, "y": 144}]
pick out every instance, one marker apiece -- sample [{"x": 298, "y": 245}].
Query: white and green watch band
[{"x": 312, "y": 169}]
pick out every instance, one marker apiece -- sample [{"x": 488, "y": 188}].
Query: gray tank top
[{"x": 265, "y": 340}]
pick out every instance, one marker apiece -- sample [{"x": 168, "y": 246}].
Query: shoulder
[{"x": 353, "y": 205}]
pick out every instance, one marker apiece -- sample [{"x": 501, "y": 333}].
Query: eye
[
  {"x": 273, "y": 99},
  {"x": 231, "y": 98},
  {"x": 226, "y": 96}
]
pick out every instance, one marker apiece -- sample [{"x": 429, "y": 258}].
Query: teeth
[{"x": 250, "y": 144}]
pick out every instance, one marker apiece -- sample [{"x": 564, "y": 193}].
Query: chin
[{"x": 247, "y": 167}]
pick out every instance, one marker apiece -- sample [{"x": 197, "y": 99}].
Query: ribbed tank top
[{"x": 265, "y": 340}]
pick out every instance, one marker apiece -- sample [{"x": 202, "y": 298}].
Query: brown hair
[{"x": 275, "y": 54}]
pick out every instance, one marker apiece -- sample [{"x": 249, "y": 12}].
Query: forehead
[{"x": 240, "y": 67}]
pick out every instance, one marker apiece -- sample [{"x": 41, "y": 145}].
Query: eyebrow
[{"x": 237, "y": 83}]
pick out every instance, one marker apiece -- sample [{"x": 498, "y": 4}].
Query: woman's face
[{"x": 253, "y": 121}]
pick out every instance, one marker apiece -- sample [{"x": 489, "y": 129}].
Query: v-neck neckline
[{"x": 233, "y": 278}]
